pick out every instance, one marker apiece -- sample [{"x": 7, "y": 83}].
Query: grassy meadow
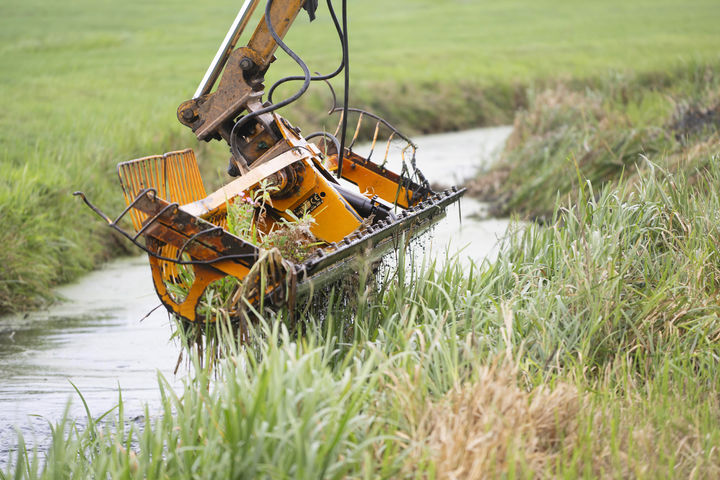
[
  {"x": 588, "y": 348},
  {"x": 88, "y": 84}
]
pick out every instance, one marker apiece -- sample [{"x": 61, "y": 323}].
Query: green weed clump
[
  {"x": 292, "y": 238},
  {"x": 238, "y": 302},
  {"x": 604, "y": 130},
  {"x": 588, "y": 348}
]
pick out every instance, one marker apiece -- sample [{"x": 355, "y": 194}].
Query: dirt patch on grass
[{"x": 694, "y": 119}]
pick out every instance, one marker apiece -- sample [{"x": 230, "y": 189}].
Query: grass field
[
  {"x": 87, "y": 84},
  {"x": 588, "y": 349}
]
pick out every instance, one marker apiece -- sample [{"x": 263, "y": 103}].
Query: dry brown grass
[
  {"x": 557, "y": 108},
  {"x": 492, "y": 426}
]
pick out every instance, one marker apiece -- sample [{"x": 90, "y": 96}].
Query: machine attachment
[
  {"x": 189, "y": 246},
  {"x": 285, "y": 183}
]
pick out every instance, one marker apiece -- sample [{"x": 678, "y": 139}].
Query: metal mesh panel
[{"x": 176, "y": 178}]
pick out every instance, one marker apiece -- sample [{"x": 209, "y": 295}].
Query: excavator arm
[{"x": 212, "y": 115}]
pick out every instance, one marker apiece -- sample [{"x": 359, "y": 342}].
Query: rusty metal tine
[
  {"x": 201, "y": 193},
  {"x": 375, "y": 136},
  {"x": 93, "y": 207},
  {"x": 387, "y": 149},
  {"x": 188, "y": 183},
  {"x": 337, "y": 130},
  {"x": 174, "y": 172},
  {"x": 142, "y": 193},
  {"x": 124, "y": 182},
  {"x": 357, "y": 131},
  {"x": 137, "y": 188},
  {"x": 142, "y": 174},
  {"x": 144, "y": 248},
  {"x": 376, "y": 117},
  {"x": 194, "y": 237},
  {"x": 154, "y": 218},
  {"x": 173, "y": 193},
  {"x": 160, "y": 173},
  {"x": 184, "y": 186}
]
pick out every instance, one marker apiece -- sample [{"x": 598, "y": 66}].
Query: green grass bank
[
  {"x": 87, "y": 84},
  {"x": 588, "y": 349},
  {"x": 604, "y": 131}
]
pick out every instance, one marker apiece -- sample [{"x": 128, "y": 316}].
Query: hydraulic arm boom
[{"x": 213, "y": 115}]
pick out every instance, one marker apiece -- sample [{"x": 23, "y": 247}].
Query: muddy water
[
  {"x": 94, "y": 339},
  {"x": 99, "y": 340}
]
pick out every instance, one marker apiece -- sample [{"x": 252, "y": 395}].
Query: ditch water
[{"x": 99, "y": 340}]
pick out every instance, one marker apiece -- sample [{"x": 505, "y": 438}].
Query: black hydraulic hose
[
  {"x": 233, "y": 143},
  {"x": 346, "y": 60},
  {"x": 329, "y": 76},
  {"x": 329, "y": 136}
]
